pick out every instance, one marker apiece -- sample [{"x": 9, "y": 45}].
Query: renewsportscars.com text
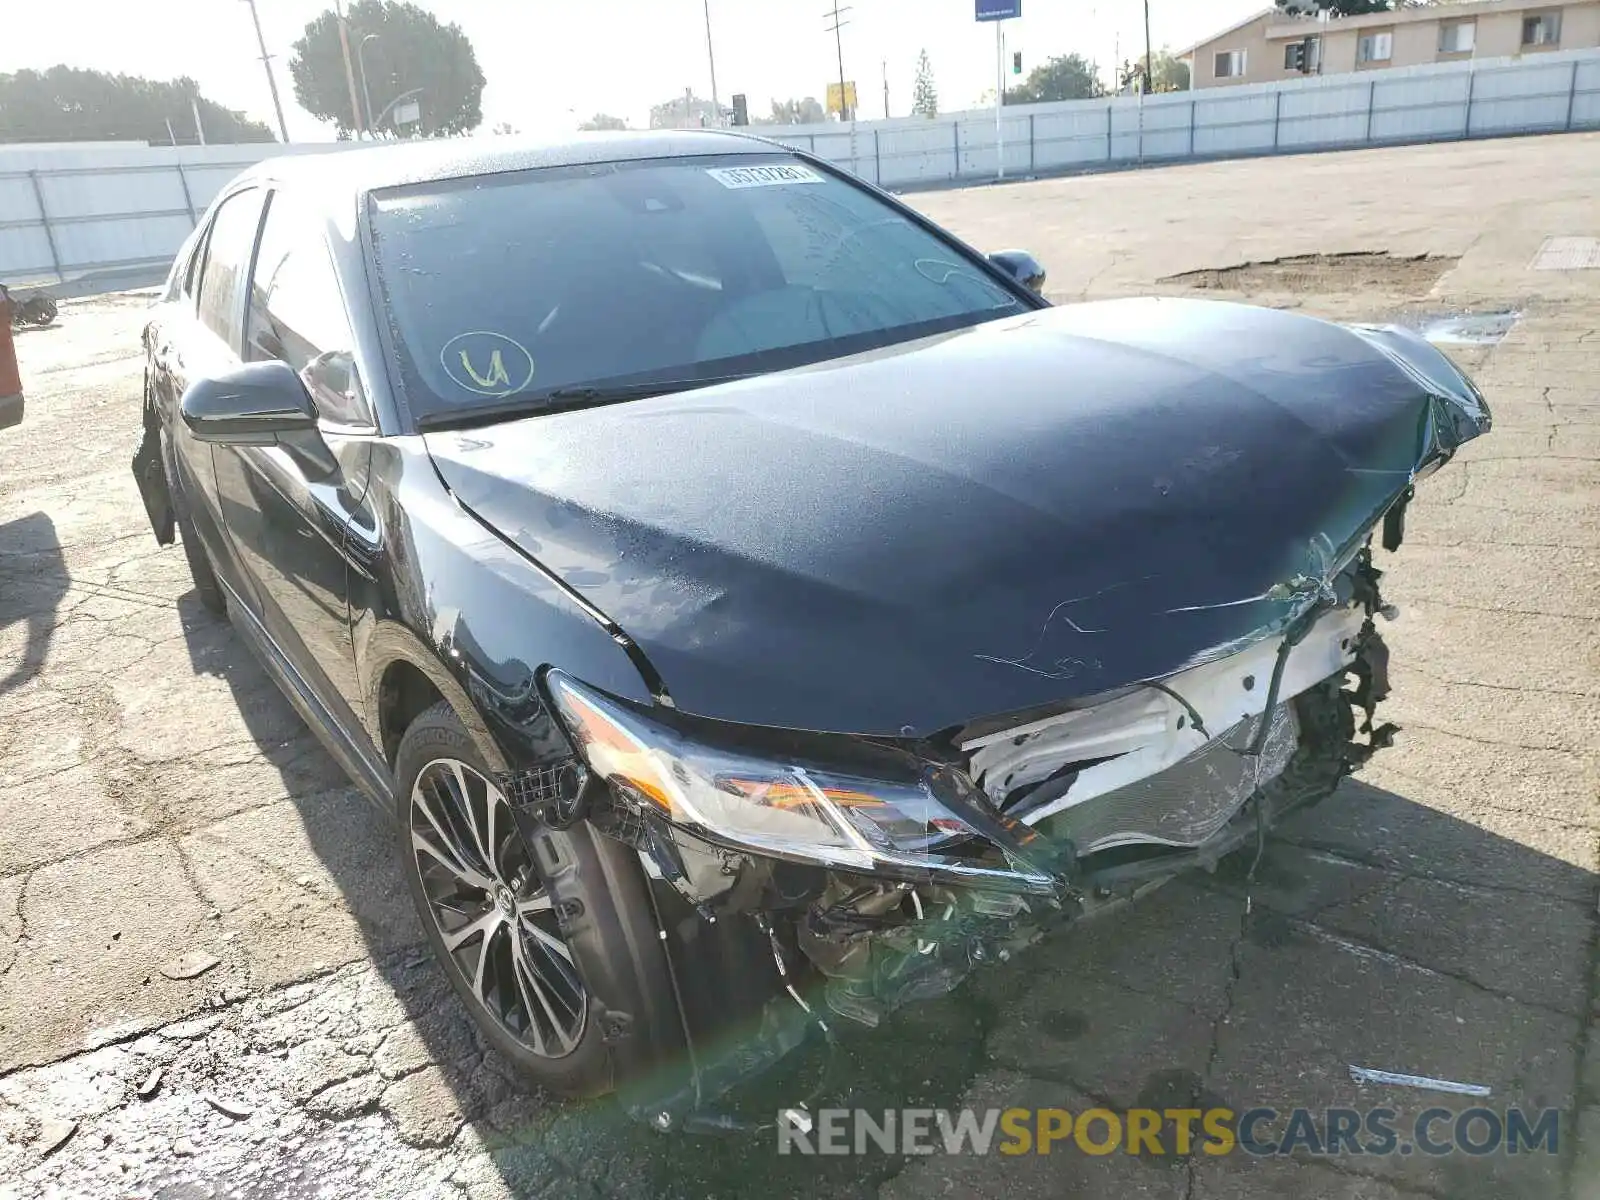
[{"x": 1326, "y": 1132}]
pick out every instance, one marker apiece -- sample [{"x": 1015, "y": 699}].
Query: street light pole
[
  {"x": 272, "y": 83},
  {"x": 349, "y": 72},
  {"x": 361, "y": 61},
  {"x": 711, "y": 53}
]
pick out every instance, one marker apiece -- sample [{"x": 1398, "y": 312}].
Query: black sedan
[{"x": 753, "y": 607}]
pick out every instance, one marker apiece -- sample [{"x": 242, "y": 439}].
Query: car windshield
[{"x": 584, "y": 284}]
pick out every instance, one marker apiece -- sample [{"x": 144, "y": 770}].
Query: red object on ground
[{"x": 10, "y": 379}]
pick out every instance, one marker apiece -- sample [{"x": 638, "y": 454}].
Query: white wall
[{"x": 130, "y": 206}]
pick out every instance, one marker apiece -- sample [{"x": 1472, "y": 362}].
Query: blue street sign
[{"x": 999, "y": 10}]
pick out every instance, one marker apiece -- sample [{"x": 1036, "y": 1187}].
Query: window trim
[
  {"x": 324, "y": 423},
  {"x": 1459, "y": 23},
  {"x": 241, "y": 299},
  {"x": 1372, "y": 39},
  {"x": 1551, "y": 18},
  {"x": 1244, "y": 63}
]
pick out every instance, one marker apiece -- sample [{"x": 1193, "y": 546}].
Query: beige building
[{"x": 1271, "y": 46}]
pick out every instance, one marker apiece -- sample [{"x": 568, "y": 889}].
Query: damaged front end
[
  {"x": 805, "y": 879},
  {"x": 874, "y": 872}
]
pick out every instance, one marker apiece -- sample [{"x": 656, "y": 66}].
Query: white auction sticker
[{"x": 772, "y": 175}]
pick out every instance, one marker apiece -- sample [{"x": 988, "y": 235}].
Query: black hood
[{"x": 1030, "y": 510}]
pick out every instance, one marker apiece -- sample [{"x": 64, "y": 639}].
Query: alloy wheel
[{"x": 494, "y": 914}]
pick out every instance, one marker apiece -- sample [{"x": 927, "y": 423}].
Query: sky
[{"x": 551, "y": 63}]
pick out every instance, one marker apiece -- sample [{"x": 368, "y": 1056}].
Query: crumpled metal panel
[
  {"x": 1188, "y": 803},
  {"x": 1035, "y": 509}
]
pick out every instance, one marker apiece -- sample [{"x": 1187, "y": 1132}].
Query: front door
[
  {"x": 287, "y": 516},
  {"x": 197, "y": 335}
]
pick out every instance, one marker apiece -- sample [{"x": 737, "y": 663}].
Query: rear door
[{"x": 287, "y": 520}]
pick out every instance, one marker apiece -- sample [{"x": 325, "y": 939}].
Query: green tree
[
  {"x": 66, "y": 104},
  {"x": 924, "y": 95},
  {"x": 1065, "y": 77},
  {"x": 1170, "y": 73},
  {"x": 795, "y": 112},
  {"x": 603, "y": 121},
  {"x": 412, "y": 50}
]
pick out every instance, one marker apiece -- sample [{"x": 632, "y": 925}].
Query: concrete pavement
[{"x": 162, "y": 806}]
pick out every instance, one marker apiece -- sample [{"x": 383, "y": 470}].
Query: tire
[
  {"x": 200, "y": 570},
  {"x": 571, "y": 887}
]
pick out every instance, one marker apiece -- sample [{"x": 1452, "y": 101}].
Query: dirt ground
[{"x": 211, "y": 983}]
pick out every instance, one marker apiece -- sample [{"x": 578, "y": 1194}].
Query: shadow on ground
[
  {"x": 33, "y": 582},
  {"x": 1374, "y": 876}
]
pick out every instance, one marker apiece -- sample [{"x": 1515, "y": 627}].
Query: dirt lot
[{"x": 161, "y": 807}]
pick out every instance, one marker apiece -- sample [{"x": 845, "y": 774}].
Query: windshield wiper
[{"x": 530, "y": 404}]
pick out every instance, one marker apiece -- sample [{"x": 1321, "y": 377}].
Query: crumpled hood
[{"x": 1030, "y": 510}]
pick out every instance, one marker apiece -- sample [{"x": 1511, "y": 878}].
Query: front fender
[{"x": 444, "y": 594}]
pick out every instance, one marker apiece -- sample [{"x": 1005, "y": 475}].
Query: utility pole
[
  {"x": 272, "y": 83},
  {"x": 886, "y": 89},
  {"x": 349, "y": 71},
  {"x": 1149, "y": 63},
  {"x": 711, "y": 53},
  {"x": 836, "y": 14}
]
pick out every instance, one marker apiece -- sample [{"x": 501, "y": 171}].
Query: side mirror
[
  {"x": 1021, "y": 266},
  {"x": 259, "y": 404}
]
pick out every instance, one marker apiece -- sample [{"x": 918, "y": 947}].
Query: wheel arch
[{"x": 403, "y": 679}]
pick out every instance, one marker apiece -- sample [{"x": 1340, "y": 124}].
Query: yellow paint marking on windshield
[
  {"x": 497, "y": 376},
  {"x": 487, "y": 363}
]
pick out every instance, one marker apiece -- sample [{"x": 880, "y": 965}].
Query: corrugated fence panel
[
  {"x": 1418, "y": 108},
  {"x": 17, "y": 199},
  {"x": 1324, "y": 116},
  {"x": 978, "y": 156},
  {"x": 1237, "y": 124},
  {"x": 1586, "y": 97},
  {"x": 73, "y": 195},
  {"x": 1071, "y": 137},
  {"x": 24, "y": 253},
  {"x": 1532, "y": 96},
  {"x": 918, "y": 154},
  {"x": 156, "y": 238}
]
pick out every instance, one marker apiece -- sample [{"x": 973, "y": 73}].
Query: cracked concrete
[{"x": 1437, "y": 916}]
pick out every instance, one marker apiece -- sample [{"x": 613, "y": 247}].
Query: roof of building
[
  {"x": 1442, "y": 10},
  {"x": 1222, "y": 33}
]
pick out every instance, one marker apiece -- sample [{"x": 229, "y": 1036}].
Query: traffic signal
[
  {"x": 1016, "y": 63},
  {"x": 741, "y": 109}
]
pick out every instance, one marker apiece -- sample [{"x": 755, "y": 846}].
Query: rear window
[{"x": 520, "y": 284}]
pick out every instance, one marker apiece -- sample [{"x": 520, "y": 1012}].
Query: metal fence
[
  {"x": 73, "y": 212},
  {"x": 69, "y": 212},
  {"x": 1439, "y": 102}
]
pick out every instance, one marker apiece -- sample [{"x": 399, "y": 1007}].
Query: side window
[
  {"x": 233, "y": 236},
  {"x": 180, "y": 277},
  {"x": 297, "y": 315}
]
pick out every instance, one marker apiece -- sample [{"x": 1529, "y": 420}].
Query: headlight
[{"x": 881, "y": 812}]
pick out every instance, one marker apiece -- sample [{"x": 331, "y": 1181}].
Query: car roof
[{"x": 349, "y": 174}]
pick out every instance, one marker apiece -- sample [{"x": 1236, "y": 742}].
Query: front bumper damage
[{"x": 1103, "y": 801}]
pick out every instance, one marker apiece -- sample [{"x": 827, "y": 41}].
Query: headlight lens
[{"x": 783, "y": 806}]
